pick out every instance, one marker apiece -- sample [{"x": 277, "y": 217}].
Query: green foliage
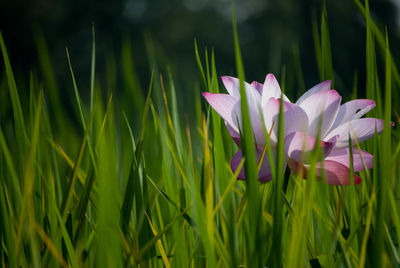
[{"x": 141, "y": 185}]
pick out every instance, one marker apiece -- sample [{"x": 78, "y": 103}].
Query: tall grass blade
[
  {"x": 247, "y": 142},
  {"x": 384, "y": 181},
  {"x": 77, "y": 95},
  {"x": 71, "y": 185},
  {"x": 200, "y": 66}
]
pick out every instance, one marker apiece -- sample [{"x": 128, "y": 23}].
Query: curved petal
[
  {"x": 363, "y": 129},
  {"x": 265, "y": 171},
  {"x": 224, "y": 105},
  {"x": 256, "y": 123},
  {"x": 271, "y": 89},
  {"x": 343, "y": 156},
  {"x": 295, "y": 118},
  {"x": 352, "y": 110},
  {"x": 232, "y": 85},
  {"x": 257, "y": 86},
  {"x": 315, "y": 89},
  {"x": 321, "y": 109},
  {"x": 334, "y": 172},
  {"x": 298, "y": 146}
]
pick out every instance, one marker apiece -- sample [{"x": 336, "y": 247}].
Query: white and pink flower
[{"x": 316, "y": 113}]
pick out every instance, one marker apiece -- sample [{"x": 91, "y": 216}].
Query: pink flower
[{"x": 316, "y": 110}]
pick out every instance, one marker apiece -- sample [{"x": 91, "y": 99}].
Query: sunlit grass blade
[
  {"x": 364, "y": 243},
  {"x": 277, "y": 199},
  {"x": 208, "y": 173},
  {"x": 77, "y": 95},
  {"x": 229, "y": 186},
  {"x": 247, "y": 142},
  {"x": 108, "y": 196},
  {"x": 67, "y": 239},
  {"x": 143, "y": 251},
  {"x": 384, "y": 181},
  {"x": 159, "y": 245},
  {"x": 136, "y": 188},
  {"x": 200, "y": 67},
  {"x": 27, "y": 210},
  {"x": 83, "y": 203},
  {"x": 175, "y": 113},
  {"x": 50, "y": 245},
  {"x": 128, "y": 199},
  {"x": 188, "y": 219},
  {"x": 71, "y": 185}
]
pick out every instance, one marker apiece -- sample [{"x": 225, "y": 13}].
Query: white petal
[
  {"x": 315, "y": 89},
  {"x": 257, "y": 86},
  {"x": 271, "y": 89},
  {"x": 363, "y": 129},
  {"x": 224, "y": 105},
  {"x": 299, "y": 146},
  {"x": 321, "y": 109},
  {"x": 295, "y": 118},
  {"x": 232, "y": 85},
  {"x": 352, "y": 110}
]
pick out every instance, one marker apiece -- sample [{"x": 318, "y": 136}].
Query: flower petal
[
  {"x": 324, "y": 106},
  {"x": 334, "y": 172},
  {"x": 295, "y": 118},
  {"x": 315, "y": 89},
  {"x": 232, "y": 85},
  {"x": 265, "y": 171},
  {"x": 271, "y": 89},
  {"x": 235, "y": 135},
  {"x": 257, "y": 86},
  {"x": 256, "y": 123},
  {"x": 298, "y": 146},
  {"x": 363, "y": 129},
  {"x": 224, "y": 105},
  {"x": 352, "y": 110},
  {"x": 343, "y": 156}
]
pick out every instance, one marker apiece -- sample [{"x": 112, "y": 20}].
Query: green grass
[{"x": 135, "y": 183}]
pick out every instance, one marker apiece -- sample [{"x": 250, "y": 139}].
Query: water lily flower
[
  {"x": 316, "y": 113},
  {"x": 336, "y": 123},
  {"x": 263, "y": 99}
]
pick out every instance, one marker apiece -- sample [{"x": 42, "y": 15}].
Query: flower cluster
[{"x": 317, "y": 113}]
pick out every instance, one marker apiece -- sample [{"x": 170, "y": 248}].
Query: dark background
[{"x": 270, "y": 33}]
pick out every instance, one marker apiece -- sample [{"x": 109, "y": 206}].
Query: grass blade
[{"x": 250, "y": 165}]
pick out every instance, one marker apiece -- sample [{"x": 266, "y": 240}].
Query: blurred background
[{"x": 161, "y": 33}]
